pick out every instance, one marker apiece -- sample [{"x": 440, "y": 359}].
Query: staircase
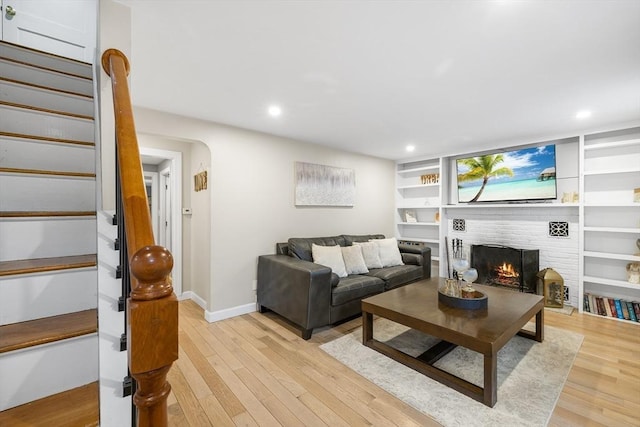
[{"x": 48, "y": 238}]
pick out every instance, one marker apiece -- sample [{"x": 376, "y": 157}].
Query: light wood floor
[{"x": 254, "y": 370}]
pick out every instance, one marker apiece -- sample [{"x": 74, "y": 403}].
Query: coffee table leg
[
  {"x": 367, "y": 327},
  {"x": 490, "y": 379},
  {"x": 540, "y": 326}
]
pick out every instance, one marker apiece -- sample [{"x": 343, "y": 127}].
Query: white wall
[
  {"x": 114, "y": 32},
  {"x": 252, "y": 207}
]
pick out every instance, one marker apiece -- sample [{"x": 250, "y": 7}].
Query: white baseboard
[
  {"x": 193, "y": 297},
  {"x": 214, "y": 316}
]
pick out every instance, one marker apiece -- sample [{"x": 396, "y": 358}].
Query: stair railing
[{"x": 152, "y": 307}]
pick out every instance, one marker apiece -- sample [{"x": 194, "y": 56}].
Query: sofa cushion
[
  {"x": 330, "y": 256},
  {"x": 396, "y": 276},
  {"x": 389, "y": 252},
  {"x": 353, "y": 260},
  {"x": 370, "y": 254},
  {"x": 300, "y": 247},
  {"x": 350, "y": 239},
  {"x": 355, "y": 287}
]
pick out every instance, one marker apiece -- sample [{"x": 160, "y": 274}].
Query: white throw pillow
[
  {"x": 353, "y": 260},
  {"x": 370, "y": 253},
  {"x": 331, "y": 256},
  {"x": 388, "y": 251}
]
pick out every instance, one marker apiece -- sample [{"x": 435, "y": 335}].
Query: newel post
[{"x": 152, "y": 332}]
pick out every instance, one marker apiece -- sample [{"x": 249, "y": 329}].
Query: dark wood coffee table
[{"x": 485, "y": 331}]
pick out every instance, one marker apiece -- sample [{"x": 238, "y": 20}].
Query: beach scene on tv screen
[{"x": 526, "y": 174}]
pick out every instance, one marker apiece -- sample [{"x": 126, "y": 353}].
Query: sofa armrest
[
  {"x": 298, "y": 290},
  {"x": 424, "y": 252}
]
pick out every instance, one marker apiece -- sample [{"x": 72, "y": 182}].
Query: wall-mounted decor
[
  {"x": 200, "y": 181},
  {"x": 320, "y": 185}
]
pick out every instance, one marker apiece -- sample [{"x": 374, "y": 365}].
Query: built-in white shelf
[
  {"x": 433, "y": 224},
  {"x": 613, "y": 229},
  {"x": 615, "y": 144},
  {"x": 612, "y": 171},
  {"x": 417, "y": 239},
  {"x": 511, "y": 205},
  {"x": 611, "y": 282},
  {"x": 609, "y": 255},
  {"x": 406, "y": 187},
  {"x": 612, "y": 205},
  {"x": 419, "y": 207},
  {"x": 420, "y": 169},
  {"x": 612, "y": 318}
]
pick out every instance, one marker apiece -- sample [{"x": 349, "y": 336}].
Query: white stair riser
[
  {"x": 47, "y": 61},
  {"x": 43, "y": 98},
  {"x": 46, "y": 295},
  {"x": 33, "y": 154},
  {"x": 45, "y": 193},
  {"x": 46, "y": 238},
  {"x": 40, "y": 77},
  {"x": 44, "y": 370},
  {"x": 32, "y": 122}
]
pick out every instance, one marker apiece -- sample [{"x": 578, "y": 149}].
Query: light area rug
[{"x": 531, "y": 375}]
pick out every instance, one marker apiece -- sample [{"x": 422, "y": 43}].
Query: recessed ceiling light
[
  {"x": 410, "y": 148},
  {"x": 274, "y": 111},
  {"x": 584, "y": 114}
]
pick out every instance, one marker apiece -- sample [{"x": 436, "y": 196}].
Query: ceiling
[{"x": 375, "y": 76}]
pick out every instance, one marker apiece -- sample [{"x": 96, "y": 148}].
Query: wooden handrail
[{"x": 152, "y": 308}]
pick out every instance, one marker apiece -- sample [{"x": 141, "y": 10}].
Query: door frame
[{"x": 175, "y": 158}]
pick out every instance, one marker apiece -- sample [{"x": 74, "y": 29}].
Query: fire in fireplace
[{"x": 506, "y": 267}]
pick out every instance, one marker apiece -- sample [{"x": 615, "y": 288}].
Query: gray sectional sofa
[{"x": 310, "y": 295}]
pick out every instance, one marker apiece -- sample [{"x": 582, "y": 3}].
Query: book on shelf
[
  {"x": 607, "y": 307},
  {"x": 585, "y": 303},
  {"x": 636, "y": 309},
  {"x": 619, "y": 309},
  {"x": 600, "y": 304},
  {"x": 632, "y": 313},
  {"x": 625, "y": 311}
]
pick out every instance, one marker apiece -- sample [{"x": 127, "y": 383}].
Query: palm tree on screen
[{"x": 483, "y": 167}]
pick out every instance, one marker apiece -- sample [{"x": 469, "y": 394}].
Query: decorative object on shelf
[
  {"x": 410, "y": 216},
  {"x": 633, "y": 273},
  {"x": 638, "y": 245},
  {"x": 320, "y": 185},
  {"x": 551, "y": 285},
  {"x": 570, "y": 197},
  {"x": 636, "y": 195},
  {"x": 431, "y": 178},
  {"x": 436, "y": 217}
]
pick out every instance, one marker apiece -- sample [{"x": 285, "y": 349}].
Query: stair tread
[
  {"x": 46, "y": 330},
  {"x": 45, "y": 110},
  {"x": 78, "y": 406},
  {"x": 38, "y": 265},
  {"x": 41, "y": 67},
  {"x": 48, "y": 172},
  {"x": 48, "y": 88},
  {"x": 45, "y": 138},
  {"x": 33, "y": 214}
]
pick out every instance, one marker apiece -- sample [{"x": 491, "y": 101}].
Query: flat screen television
[{"x": 528, "y": 174}]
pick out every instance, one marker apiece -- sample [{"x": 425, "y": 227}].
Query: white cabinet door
[{"x": 63, "y": 27}]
